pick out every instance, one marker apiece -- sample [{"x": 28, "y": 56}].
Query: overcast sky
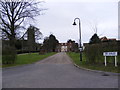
[{"x": 60, "y": 15}]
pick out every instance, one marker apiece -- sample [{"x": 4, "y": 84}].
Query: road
[{"x": 56, "y": 71}]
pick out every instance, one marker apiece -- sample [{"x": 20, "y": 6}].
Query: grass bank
[
  {"x": 85, "y": 64},
  {"x": 28, "y": 58}
]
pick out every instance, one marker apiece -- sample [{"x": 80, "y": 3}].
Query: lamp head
[{"x": 74, "y": 23}]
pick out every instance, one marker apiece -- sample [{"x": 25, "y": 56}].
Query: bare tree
[
  {"x": 95, "y": 29},
  {"x": 13, "y": 14}
]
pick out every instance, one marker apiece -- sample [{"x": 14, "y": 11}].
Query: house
[
  {"x": 70, "y": 46},
  {"x": 105, "y": 39},
  {"x": 64, "y": 47}
]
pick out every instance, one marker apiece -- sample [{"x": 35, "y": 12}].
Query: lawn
[
  {"x": 28, "y": 58},
  {"x": 84, "y": 64}
]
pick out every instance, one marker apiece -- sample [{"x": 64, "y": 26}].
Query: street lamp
[{"x": 80, "y": 37}]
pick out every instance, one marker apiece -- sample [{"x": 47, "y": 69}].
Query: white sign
[
  {"x": 110, "y": 53},
  {"x": 81, "y": 49}
]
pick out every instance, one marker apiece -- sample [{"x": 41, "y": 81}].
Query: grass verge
[
  {"x": 28, "y": 59},
  {"x": 84, "y": 64}
]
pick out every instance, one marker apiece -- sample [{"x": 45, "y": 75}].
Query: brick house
[{"x": 70, "y": 46}]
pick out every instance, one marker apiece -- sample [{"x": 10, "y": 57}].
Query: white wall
[
  {"x": 119, "y": 20},
  {"x": 63, "y": 48}
]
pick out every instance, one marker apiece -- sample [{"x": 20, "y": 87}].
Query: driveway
[{"x": 56, "y": 71}]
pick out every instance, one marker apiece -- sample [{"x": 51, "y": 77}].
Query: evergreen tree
[
  {"x": 94, "y": 39},
  {"x": 50, "y": 43}
]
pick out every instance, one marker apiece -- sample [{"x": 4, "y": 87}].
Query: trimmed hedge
[
  {"x": 25, "y": 51},
  {"x": 94, "y": 52},
  {"x": 8, "y": 55}
]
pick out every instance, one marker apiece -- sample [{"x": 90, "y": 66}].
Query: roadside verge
[
  {"x": 27, "y": 59},
  {"x": 105, "y": 73}
]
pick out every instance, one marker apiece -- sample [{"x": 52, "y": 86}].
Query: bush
[
  {"x": 8, "y": 55},
  {"x": 25, "y": 51},
  {"x": 94, "y": 52}
]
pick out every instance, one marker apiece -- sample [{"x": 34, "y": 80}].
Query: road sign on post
[{"x": 110, "y": 54}]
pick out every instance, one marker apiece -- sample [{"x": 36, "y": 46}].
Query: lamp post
[{"x": 80, "y": 36}]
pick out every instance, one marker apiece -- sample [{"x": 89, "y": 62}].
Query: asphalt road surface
[{"x": 56, "y": 71}]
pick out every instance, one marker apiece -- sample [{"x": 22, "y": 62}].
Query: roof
[{"x": 107, "y": 39}]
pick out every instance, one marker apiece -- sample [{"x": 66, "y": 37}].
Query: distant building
[
  {"x": 64, "y": 47},
  {"x": 105, "y": 39},
  {"x": 70, "y": 46}
]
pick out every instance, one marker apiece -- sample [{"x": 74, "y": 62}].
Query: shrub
[
  {"x": 94, "y": 52},
  {"x": 8, "y": 55}
]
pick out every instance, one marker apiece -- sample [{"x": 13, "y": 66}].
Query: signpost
[{"x": 110, "y": 54}]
